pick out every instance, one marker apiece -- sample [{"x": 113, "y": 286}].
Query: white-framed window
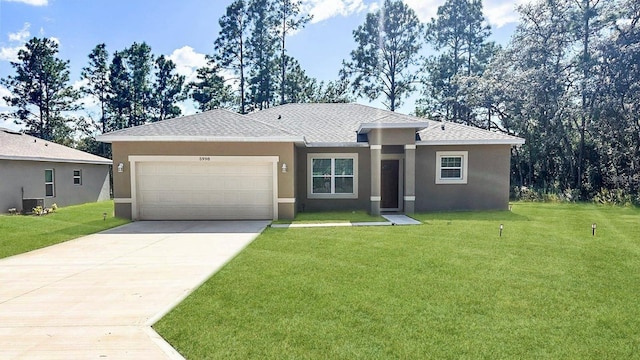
[
  {"x": 332, "y": 176},
  {"x": 49, "y": 183},
  {"x": 77, "y": 177},
  {"x": 451, "y": 167}
]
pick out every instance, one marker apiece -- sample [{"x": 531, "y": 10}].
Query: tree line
[{"x": 567, "y": 82}]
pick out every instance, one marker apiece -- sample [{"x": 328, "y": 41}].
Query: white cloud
[
  {"x": 31, "y": 2},
  {"x": 187, "y": 62},
  {"x": 326, "y": 9},
  {"x": 21, "y": 35},
  {"x": 497, "y": 12},
  {"x": 425, "y": 9},
  {"x": 501, "y": 12},
  {"x": 10, "y": 53}
]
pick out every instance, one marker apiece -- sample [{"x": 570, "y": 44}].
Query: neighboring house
[
  {"x": 305, "y": 157},
  {"x": 32, "y": 168}
]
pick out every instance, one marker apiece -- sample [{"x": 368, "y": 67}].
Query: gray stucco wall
[
  {"x": 16, "y": 175},
  {"x": 487, "y": 183},
  {"x": 364, "y": 181}
]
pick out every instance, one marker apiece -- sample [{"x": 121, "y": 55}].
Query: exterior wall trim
[
  {"x": 186, "y": 138},
  {"x": 472, "y": 142},
  {"x": 122, "y": 200}
]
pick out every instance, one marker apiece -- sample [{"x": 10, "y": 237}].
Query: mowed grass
[
  {"x": 19, "y": 234},
  {"x": 332, "y": 217},
  {"x": 448, "y": 289}
]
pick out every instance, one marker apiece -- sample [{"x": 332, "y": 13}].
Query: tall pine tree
[
  {"x": 383, "y": 64},
  {"x": 40, "y": 91}
]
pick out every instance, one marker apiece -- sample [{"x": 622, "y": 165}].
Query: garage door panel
[{"x": 209, "y": 191}]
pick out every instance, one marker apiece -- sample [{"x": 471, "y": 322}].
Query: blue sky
[{"x": 185, "y": 30}]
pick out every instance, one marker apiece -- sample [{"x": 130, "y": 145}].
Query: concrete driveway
[{"x": 97, "y": 296}]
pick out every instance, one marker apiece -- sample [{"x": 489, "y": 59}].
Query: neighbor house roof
[
  {"x": 311, "y": 124},
  {"x": 17, "y": 146}
]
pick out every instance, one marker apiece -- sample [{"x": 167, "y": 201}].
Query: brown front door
[{"x": 390, "y": 184}]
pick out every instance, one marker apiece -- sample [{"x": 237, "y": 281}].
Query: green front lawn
[
  {"x": 19, "y": 234},
  {"x": 332, "y": 217},
  {"x": 448, "y": 289}
]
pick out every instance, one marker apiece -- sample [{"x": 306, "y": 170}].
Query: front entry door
[{"x": 390, "y": 185}]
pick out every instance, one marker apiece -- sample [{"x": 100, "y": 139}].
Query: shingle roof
[
  {"x": 18, "y": 146},
  {"x": 319, "y": 124},
  {"x": 329, "y": 123},
  {"x": 448, "y": 133},
  {"x": 209, "y": 125}
]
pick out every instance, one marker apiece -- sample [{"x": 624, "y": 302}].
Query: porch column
[
  {"x": 409, "y": 178},
  {"x": 376, "y": 155}
]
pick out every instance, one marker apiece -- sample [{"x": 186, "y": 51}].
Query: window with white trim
[
  {"x": 77, "y": 177},
  {"x": 49, "y": 183},
  {"x": 332, "y": 176},
  {"x": 451, "y": 167}
]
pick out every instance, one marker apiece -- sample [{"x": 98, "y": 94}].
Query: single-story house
[
  {"x": 305, "y": 157},
  {"x": 47, "y": 173}
]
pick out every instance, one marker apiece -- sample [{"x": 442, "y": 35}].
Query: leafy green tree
[
  {"x": 119, "y": 101},
  {"x": 130, "y": 75},
  {"x": 336, "y": 91},
  {"x": 98, "y": 85},
  {"x": 290, "y": 18},
  {"x": 40, "y": 91},
  {"x": 299, "y": 87},
  {"x": 231, "y": 52},
  {"x": 460, "y": 36},
  {"x": 384, "y": 62},
  {"x": 210, "y": 91},
  {"x": 167, "y": 90},
  {"x": 615, "y": 129},
  {"x": 261, "y": 49},
  {"x": 139, "y": 60}
]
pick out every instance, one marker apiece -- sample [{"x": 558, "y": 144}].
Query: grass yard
[
  {"x": 332, "y": 217},
  {"x": 448, "y": 289},
  {"x": 19, "y": 234}
]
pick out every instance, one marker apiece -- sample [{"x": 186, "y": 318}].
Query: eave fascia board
[
  {"x": 45, "y": 159},
  {"x": 112, "y": 139},
  {"x": 337, "y": 144},
  {"x": 364, "y": 128},
  {"x": 515, "y": 141}
]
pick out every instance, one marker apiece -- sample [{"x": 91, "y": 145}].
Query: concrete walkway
[{"x": 96, "y": 297}]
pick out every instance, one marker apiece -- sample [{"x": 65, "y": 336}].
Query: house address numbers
[{"x": 205, "y": 158}]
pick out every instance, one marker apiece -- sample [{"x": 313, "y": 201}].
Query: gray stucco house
[
  {"x": 32, "y": 168},
  {"x": 301, "y": 157}
]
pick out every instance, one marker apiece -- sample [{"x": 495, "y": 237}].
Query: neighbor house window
[
  {"x": 49, "y": 183},
  {"x": 77, "y": 177},
  {"x": 332, "y": 176},
  {"x": 451, "y": 167}
]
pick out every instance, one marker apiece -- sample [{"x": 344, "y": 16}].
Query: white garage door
[{"x": 204, "y": 191}]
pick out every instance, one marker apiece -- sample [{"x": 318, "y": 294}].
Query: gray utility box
[{"x": 29, "y": 204}]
